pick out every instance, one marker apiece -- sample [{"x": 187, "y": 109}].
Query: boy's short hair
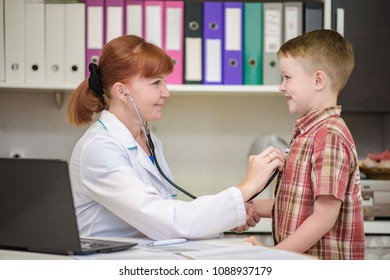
[{"x": 324, "y": 50}]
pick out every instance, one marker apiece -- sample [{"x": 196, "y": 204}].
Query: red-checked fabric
[{"x": 322, "y": 161}]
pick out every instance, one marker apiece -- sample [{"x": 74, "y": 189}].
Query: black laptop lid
[{"x": 36, "y": 206}]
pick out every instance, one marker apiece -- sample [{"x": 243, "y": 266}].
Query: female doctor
[{"x": 118, "y": 191}]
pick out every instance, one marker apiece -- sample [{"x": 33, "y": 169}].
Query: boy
[{"x": 317, "y": 207}]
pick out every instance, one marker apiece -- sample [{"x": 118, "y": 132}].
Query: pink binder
[
  {"x": 94, "y": 31},
  {"x": 114, "y": 19},
  {"x": 134, "y": 17},
  {"x": 174, "y": 43},
  {"x": 154, "y": 23}
]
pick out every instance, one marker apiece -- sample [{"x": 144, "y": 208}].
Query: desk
[{"x": 212, "y": 249}]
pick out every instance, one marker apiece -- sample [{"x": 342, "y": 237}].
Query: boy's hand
[{"x": 253, "y": 240}]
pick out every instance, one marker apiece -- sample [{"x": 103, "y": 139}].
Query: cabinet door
[{"x": 367, "y": 27}]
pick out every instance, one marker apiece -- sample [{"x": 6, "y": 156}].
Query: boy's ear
[{"x": 320, "y": 80}]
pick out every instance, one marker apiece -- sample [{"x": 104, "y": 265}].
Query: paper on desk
[{"x": 210, "y": 250}]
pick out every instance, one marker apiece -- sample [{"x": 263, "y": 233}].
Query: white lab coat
[{"x": 118, "y": 192}]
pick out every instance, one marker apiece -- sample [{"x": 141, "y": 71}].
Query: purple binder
[
  {"x": 233, "y": 38},
  {"x": 213, "y": 42}
]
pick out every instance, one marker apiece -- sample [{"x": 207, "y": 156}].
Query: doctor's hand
[
  {"x": 252, "y": 218},
  {"x": 260, "y": 169}
]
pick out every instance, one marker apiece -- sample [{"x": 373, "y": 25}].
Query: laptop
[{"x": 37, "y": 210}]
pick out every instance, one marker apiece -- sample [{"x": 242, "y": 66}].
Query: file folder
[
  {"x": 134, "y": 17},
  {"x": 114, "y": 19},
  {"x": 273, "y": 35},
  {"x": 293, "y": 20},
  {"x": 212, "y": 42},
  {"x": 314, "y": 16},
  {"x": 174, "y": 21},
  {"x": 2, "y": 54},
  {"x": 253, "y": 43},
  {"x": 232, "y": 54},
  {"x": 94, "y": 31},
  {"x": 55, "y": 43},
  {"x": 74, "y": 43},
  {"x": 14, "y": 27},
  {"x": 35, "y": 42},
  {"x": 193, "y": 42},
  {"x": 154, "y": 24}
]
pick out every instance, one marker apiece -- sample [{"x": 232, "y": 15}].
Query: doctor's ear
[{"x": 119, "y": 88}]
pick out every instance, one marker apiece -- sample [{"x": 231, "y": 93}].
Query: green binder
[{"x": 253, "y": 44}]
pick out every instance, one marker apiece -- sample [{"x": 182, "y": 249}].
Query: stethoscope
[{"x": 146, "y": 131}]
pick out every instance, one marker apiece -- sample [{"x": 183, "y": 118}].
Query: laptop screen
[
  {"x": 36, "y": 205},
  {"x": 37, "y": 211}
]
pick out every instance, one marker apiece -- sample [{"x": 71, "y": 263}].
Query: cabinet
[{"x": 367, "y": 27}]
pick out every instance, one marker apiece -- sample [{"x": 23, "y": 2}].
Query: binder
[
  {"x": 212, "y": 42},
  {"x": 154, "y": 24},
  {"x": 193, "y": 42},
  {"x": 94, "y": 31},
  {"x": 14, "y": 27},
  {"x": 293, "y": 20},
  {"x": 174, "y": 18},
  {"x": 35, "y": 42},
  {"x": 2, "y": 55},
  {"x": 114, "y": 19},
  {"x": 55, "y": 43},
  {"x": 253, "y": 43},
  {"x": 232, "y": 51},
  {"x": 74, "y": 43},
  {"x": 134, "y": 17},
  {"x": 273, "y": 35},
  {"x": 314, "y": 16}
]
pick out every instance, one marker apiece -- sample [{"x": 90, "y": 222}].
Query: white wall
[{"x": 206, "y": 139}]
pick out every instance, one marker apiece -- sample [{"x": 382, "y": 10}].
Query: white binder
[
  {"x": 55, "y": 43},
  {"x": 74, "y": 43},
  {"x": 14, "y": 40},
  {"x": 2, "y": 58},
  {"x": 273, "y": 34},
  {"x": 35, "y": 41},
  {"x": 293, "y": 20}
]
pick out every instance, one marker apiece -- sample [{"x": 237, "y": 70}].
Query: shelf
[
  {"x": 24, "y": 86},
  {"x": 177, "y": 90},
  {"x": 224, "y": 90}
]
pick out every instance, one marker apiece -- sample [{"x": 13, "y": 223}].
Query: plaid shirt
[{"x": 322, "y": 161}]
